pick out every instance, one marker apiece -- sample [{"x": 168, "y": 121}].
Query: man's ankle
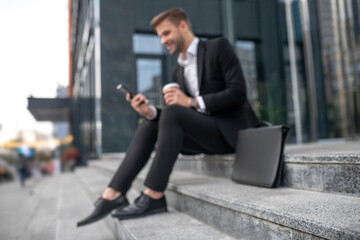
[
  {"x": 153, "y": 194},
  {"x": 110, "y": 194}
]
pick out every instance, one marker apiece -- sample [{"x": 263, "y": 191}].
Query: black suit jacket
[{"x": 222, "y": 86}]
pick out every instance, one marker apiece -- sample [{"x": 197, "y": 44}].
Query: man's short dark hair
[{"x": 174, "y": 15}]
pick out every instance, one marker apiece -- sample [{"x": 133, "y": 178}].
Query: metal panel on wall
[
  {"x": 206, "y": 21},
  {"x": 246, "y": 19},
  {"x": 117, "y": 66}
]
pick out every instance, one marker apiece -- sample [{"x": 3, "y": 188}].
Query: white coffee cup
[{"x": 170, "y": 85}]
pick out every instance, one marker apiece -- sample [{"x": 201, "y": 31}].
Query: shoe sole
[
  {"x": 160, "y": 210},
  {"x": 94, "y": 219},
  {"x": 99, "y": 217}
]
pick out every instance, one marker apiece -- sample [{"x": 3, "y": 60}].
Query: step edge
[
  {"x": 245, "y": 206},
  {"x": 129, "y": 232}
]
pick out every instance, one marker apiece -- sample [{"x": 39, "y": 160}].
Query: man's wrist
[
  {"x": 202, "y": 106},
  {"x": 152, "y": 113},
  {"x": 193, "y": 103}
]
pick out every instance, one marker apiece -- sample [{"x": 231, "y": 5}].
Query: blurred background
[
  {"x": 34, "y": 59},
  {"x": 61, "y": 61}
]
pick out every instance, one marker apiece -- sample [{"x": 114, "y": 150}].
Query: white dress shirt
[
  {"x": 190, "y": 75},
  {"x": 190, "y": 72}
]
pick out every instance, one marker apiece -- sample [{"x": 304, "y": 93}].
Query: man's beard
[{"x": 179, "y": 43}]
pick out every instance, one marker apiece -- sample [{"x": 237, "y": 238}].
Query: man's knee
[
  {"x": 147, "y": 127},
  {"x": 171, "y": 113}
]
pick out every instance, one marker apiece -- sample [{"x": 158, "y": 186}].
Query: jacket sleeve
[{"x": 233, "y": 94}]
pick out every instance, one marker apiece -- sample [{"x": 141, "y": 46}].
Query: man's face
[{"x": 171, "y": 36}]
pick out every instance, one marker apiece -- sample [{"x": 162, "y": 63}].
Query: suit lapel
[
  {"x": 200, "y": 61},
  {"x": 180, "y": 77}
]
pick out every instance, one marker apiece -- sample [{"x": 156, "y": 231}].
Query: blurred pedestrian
[
  {"x": 70, "y": 156},
  {"x": 21, "y": 165}
]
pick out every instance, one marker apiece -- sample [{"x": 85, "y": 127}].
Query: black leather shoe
[
  {"x": 97, "y": 201},
  {"x": 102, "y": 208},
  {"x": 143, "y": 205}
]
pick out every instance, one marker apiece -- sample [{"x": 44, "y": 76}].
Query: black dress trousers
[{"x": 177, "y": 130}]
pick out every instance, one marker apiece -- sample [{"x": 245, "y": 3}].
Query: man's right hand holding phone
[{"x": 141, "y": 105}]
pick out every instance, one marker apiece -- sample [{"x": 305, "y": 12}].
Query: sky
[{"x": 33, "y": 60}]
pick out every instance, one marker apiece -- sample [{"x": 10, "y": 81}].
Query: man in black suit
[{"x": 203, "y": 115}]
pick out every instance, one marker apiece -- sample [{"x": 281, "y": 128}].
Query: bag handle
[{"x": 263, "y": 124}]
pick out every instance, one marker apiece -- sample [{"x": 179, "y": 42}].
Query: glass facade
[
  {"x": 83, "y": 117},
  {"x": 320, "y": 55},
  {"x": 326, "y": 54},
  {"x": 149, "y": 54},
  {"x": 320, "y": 83},
  {"x": 149, "y": 80},
  {"x": 147, "y": 44},
  {"x": 340, "y": 56},
  {"x": 300, "y": 58},
  {"x": 246, "y": 52}
]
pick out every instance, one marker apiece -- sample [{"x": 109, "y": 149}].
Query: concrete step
[
  {"x": 19, "y": 209},
  {"x": 172, "y": 225},
  {"x": 47, "y": 210},
  {"x": 324, "y": 167},
  {"x": 258, "y": 213},
  {"x": 74, "y": 204}
]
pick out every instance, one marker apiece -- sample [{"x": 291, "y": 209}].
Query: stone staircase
[
  {"x": 47, "y": 209},
  {"x": 319, "y": 197}
]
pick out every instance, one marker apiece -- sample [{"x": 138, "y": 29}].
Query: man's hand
[
  {"x": 140, "y": 104},
  {"x": 176, "y": 96}
]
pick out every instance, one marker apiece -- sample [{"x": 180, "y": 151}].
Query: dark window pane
[
  {"x": 147, "y": 44},
  {"x": 245, "y": 51},
  {"x": 149, "y": 79}
]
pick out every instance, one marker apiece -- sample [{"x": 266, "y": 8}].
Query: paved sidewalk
[{"x": 47, "y": 209}]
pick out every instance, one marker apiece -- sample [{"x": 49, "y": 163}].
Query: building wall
[
  {"x": 83, "y": 45},
  {"x": 119, "y": 20},
  {"x": 117, "y": 66},
  {"x": 258, "y": 30}
]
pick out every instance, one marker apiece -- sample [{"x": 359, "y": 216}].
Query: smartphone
[{"x": 124, "y": 90}]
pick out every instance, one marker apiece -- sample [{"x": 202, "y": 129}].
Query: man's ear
[{"x": 183, "y": 25}]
